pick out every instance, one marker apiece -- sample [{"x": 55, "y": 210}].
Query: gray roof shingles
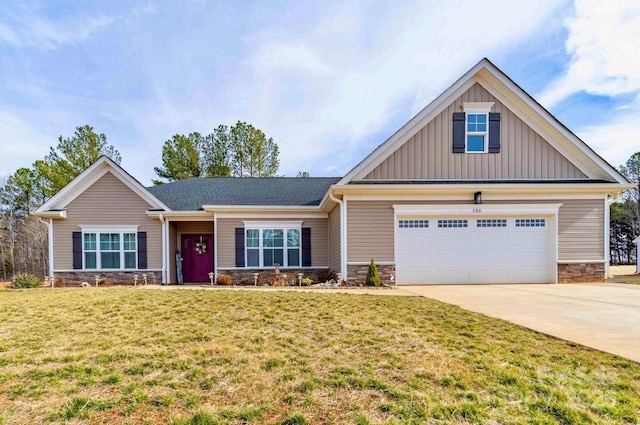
[{"x": 191, "y": 194}]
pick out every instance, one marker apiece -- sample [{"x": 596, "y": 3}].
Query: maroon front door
[{"x": 197, "y": 257}]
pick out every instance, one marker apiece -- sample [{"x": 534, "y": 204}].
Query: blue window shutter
[
  {"x": 458, "y": 132},
  {"x": 77, "y": 250},
  {"x": 142, "y": 250},
  {"x": 306, "y": 247},
  {"x": 494, "y": 132},
  {"x": 239, "y": 246}
]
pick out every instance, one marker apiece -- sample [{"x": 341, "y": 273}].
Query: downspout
[
  {"x": 50, "y": 243},
  {"x": 343, "y": 236},
  {"x": 164, "y": 249},
  {"x": 215, "y": 246}
]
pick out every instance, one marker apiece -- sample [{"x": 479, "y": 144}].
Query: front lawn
[{"x": 125, "y": 355}]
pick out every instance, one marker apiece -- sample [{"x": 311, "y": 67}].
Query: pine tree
[{"x": 373, "y": 278}]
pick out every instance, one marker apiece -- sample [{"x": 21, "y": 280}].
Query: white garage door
[{"x": 465, "y": 250}]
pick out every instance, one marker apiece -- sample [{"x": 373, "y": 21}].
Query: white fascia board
[
  {"x": 477, "y": 209},
  {"x": 51, "y": 214},
  {"x": 92, "y": 174},
  {"x": 273, "y": 215},
  {"x": 90, "y": 228},
  {"x": 182, "y": 215},
  {"x": 272, "y": 224},
  {"x": 259, "y": 208},
  {"x": 491, "y": 188}
]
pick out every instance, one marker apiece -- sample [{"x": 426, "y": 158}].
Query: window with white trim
[
  {"x": 268, "y": 244},
  {"x": 109, "y": 250},
  {"x": 453, "y": 223},
  {"x": 530, "y": 222},
  {"x": 477, "y": 126}
]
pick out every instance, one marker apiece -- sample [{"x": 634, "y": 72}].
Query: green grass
[{"x": 124, "y": 355}]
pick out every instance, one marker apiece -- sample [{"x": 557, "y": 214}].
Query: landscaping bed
[{"x": 121, "y": 355}]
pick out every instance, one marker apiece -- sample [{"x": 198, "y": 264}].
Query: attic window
[{"x": 477, "y": 129}]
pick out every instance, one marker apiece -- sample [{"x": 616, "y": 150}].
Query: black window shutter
[
  {"x": 458, "y": 132},
  {"x": 306, "y": 247},
  {"x": 239, "y": 246},
  {"x": 77, "y": 250},
  {"x": 494, "y": 132},
  {"x": 142, "y": 250}
]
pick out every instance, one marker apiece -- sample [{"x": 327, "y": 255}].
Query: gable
[
  {"x": 509, "y": 96},
  {"x": 109, "y": 199},
  {"x": 428, "y": 155}
]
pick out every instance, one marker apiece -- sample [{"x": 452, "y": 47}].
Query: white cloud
[
  {"x": 33, "y": 30},
  {"x": 348, "y": 74},
  {"x": 19, "y": 142},
  {"x": 603, "y": 45},
  {"x": 603, "y": 40}
]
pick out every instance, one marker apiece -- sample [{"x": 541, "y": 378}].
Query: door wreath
[{"x": 200, "y": 247}]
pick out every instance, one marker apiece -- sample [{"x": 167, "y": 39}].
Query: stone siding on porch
[
  {"x": 71, "y": 279},
  {"x": 246, "y": 277}
]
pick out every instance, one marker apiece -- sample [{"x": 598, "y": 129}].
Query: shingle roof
[{"x": 193, "y": 193}]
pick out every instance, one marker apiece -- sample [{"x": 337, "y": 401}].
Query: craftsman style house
[{"x": 482, "y": 186}]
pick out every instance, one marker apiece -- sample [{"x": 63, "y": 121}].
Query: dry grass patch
[{"x": 121, "y": 355}]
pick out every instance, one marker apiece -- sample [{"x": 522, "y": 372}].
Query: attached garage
[{"x": 475, "y": 245}]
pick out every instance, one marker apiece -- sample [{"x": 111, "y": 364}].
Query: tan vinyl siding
[
  {"x": 524, "y": 154},
  {"x": 334, "y": 239},
  {"x": 227, "y": 239},
  {"x": 107, "y": 202},
  {"x": 580, "y": 229},
  {"x": 173, "y": 242},
  {"x": 195, "y": 228},
  {"x": 369, "y": 231}
]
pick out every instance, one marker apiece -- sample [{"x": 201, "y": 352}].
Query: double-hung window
[
  {"x": 477, "y": 126},
  {"x": 109, "y": 249},
  {"x": 268, "y": 244}
]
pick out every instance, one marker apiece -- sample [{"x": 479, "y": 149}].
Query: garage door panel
[{"x": 495, "y": 252}]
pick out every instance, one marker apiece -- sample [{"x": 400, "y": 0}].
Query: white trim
[
  {"x": 52, "y": 214},
  {"x": 272, "y": 224},
  {"x": 215, "y": 247},
  {"x": 90, "y": 228},
  {"x": 270, "y": 269},
  {"x": 274, "y": 216},
  {"x": 241, "y": 208},
  {"x": 581, "y": 261},
  {"x": 345, "y": 246},
  {"x": 403, "y": 188},
  {"x": 105, "y": 270},
  {"x": 469, "y": 197},
  {"x": 51, "y": 247},
  {"x": 607, "y": 236},
  {"x": 92, "y": 174},
  {"x": 182, "y": 215},
  {"x": 366, "y": 263},
  {"x": 476, "y": 209},
  {"x": 477, "y": 107}
]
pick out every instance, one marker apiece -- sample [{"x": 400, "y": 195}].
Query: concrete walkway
[{"x": 601, "y": 316}]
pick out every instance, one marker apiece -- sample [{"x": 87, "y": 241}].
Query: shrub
[
  {"x": 244, "y": 281},
  {"x": 223, "y": 279},
  {"x": 306, "y": 281},
  {"x": 373, "y": 278},
  {"x": 326, "y": 275},
  {"x": 26, "y": 280}
]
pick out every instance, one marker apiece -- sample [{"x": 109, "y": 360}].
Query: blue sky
[{"x": 329, "y": 81}]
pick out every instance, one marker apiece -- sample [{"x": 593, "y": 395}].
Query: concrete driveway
[{"x": 602, "y": 316}]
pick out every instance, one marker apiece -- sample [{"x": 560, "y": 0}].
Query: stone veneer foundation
[
  {"x": 356, "y": 274},
  {"x": 580, "y": 272},
  {"x": 267, "y": 276},
  {"x": 70, "y": 279}
]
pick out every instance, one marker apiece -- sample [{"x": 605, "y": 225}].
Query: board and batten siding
[
  {"x": 107, "y": 202},
  {"x": 334, "y": 239},
  {"x": 227, "y": 240},
  {"x": 427, "y": 155},
  {"x": 370, "y": 232}
]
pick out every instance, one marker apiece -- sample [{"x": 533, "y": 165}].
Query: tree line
[
  {"x": 238, "y": 151},
  {"x": 625, "y": 216}
]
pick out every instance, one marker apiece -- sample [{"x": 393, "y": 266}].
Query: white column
[
  {"x": 215, "y": 246},
  {"x": 51, "y": 247}
]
